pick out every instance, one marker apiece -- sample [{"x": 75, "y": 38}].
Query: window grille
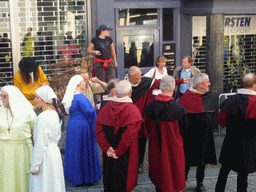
[
  {"x": 59, "y": 30},
  {"x": 199, "y": 52},
  {"x": 239, "y": 59},
  {"x": 6, "y": 67}
]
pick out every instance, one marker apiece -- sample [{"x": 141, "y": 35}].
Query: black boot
[
  {"x": 200, "y": 178},
  {"x": 140, "y": 170},
  {"x": 200, "y": 187}
]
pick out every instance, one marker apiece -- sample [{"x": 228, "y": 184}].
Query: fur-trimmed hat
[{"x": 28, "y": 65}]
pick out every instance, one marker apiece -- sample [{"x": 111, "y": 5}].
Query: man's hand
[
  {"x": 102, "y": 83},
  {"x": 95, "y": 80},
  {"x": 114, "y": 155},
  {"x": 186, "y": 80},
  {"x": 110, "y": 151}
]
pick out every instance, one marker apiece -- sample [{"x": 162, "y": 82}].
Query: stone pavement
[{"x": 145, "y": 185}]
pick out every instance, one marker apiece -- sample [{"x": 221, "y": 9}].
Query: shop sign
[
  {"x": 239, "y": 24},
  {"x": 233, "y": 25}
]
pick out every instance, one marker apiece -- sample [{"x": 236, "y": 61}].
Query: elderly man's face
[
  {"x": 86, "y": 78},
  {"x": 254, "y": 87},
  {"x": 137, "y": 77},
  {"x": 185, "y": 63},
  {"x": 205, "y": 86}
]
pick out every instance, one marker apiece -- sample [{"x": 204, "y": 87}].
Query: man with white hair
[
  {"x": 142, "y": 95},
  {"x": 117, "y": 127},
  {"x": 168, "y": 122},
  {"x": 199, "y": 146}
]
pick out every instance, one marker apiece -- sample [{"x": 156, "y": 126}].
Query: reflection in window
[
  {"x": 138, "y": 51},
  {"x": 137, "y": 17},
  {"x": 53, "y": 30}
]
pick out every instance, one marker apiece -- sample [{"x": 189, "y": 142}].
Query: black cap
[
  {"x": 105, "y": 27},
  {"x": 28, "y": 65}
]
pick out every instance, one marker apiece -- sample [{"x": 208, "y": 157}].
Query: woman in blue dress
[{"x": 82, "y": 163}]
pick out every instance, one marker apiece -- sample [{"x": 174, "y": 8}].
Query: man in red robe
[
  {"x": 142, "y": 88},
  {"x": 117, "y": 127},
  {"x": 199, "y": 145},
  {"x": 238, "y": 151},
  {"x": 166, "y": 152}
]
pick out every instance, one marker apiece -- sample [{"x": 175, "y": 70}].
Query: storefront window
[
  {"x": 138, "y": 51},
  {"x": 53, "y": 31},
  {"x": 239, "y": 47},
  {"x": 137, "y": 17}
]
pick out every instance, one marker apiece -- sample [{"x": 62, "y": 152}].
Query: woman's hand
[
  {"x": 115, "y": 65},
  {"x": 35, "y": 173},
  {"x": 97, "y": 53}
]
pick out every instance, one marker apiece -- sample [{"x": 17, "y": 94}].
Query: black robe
[
  {"x": 117, "y": 126},
  {"x": 199, "y": 140},
  {"x": 239, "y": 146}
]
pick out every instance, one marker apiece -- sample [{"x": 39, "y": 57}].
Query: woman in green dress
[{"x": 17, "y": 119}]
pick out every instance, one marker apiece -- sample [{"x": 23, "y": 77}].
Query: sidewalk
[{"x": 144, "y": 183}]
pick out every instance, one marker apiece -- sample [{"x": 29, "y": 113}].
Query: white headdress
[
  {"x": 70, "y": 91},
  {"x": 46, "y": 93},
  {"x": 18, "y": 103}
]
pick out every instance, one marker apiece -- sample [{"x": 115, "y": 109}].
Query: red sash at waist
[{"x": 105, "y": 63}]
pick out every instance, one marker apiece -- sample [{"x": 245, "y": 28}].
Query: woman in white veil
[
  {"x": 46, "y": 165},
  {"x": 82, "y": 163},
  {"x": 17, "y": 119}
]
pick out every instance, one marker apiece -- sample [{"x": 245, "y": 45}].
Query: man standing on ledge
[
  {"x": 117, "y": 127},
  {"x": 142, "y": 88},
  {"x": 199, "y": 141},
  {"x": 184, "y": 71},
  {"x": 238, "y": 151}
]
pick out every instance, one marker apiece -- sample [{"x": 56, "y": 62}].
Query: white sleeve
[
  {"x": 150, "y": 73},
  {"x": 165, "y": 71},
  {"x": 41, "y": 142}
]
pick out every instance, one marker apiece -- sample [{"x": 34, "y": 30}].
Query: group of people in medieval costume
[{"x": 180, "y": 135}]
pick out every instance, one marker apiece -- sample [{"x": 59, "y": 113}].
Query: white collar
[
  {"x": 193, "y": 90},
  {"x": 187, "y": 70},
  {"x": 246, "y": 91},
  {"x": 125, "y": 99},
  {"x": 107, "y": 98}
]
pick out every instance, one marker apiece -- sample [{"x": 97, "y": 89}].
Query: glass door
[{"x": 137, "y": 47}]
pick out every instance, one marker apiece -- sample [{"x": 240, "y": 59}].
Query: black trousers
[
  {"x": 199, "y": 172},
  {"x": 242, "y": 182},
  {"x": 142, "y": 149},
  {"x": 158, "y": 189}
]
